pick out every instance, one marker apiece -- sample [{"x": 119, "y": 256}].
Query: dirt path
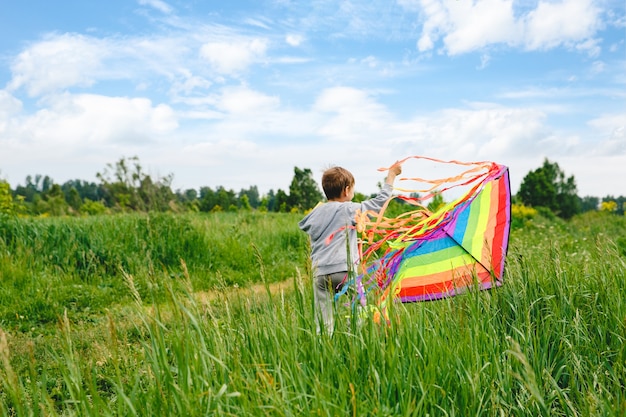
[{"x": 253, "y": 290}]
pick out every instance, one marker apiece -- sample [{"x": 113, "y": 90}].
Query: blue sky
[{"x": 238, "y": 93}]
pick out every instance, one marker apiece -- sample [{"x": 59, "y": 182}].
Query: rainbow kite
[{"x": 422, "y": 255}]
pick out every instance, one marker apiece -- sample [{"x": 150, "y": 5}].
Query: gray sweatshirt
[{"x": 328, "y": 218}]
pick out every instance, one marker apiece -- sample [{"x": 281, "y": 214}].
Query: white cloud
[
  {"x": 478, "y": 24},
  {"x": 74, "y": 136},
  {"x": 612, "y": 129},
  {"x": 241, "y": 100},
  {"x": 342, "y": 99},
  {"x": 354, "y": 114},
  {"x": 97, "y": 120},
  {"x": 485, "y": 132},
  {"x": 247, "y": 113},
  {"x": 218, "y": 152},
  {"x": 61, "y": 62},
  {"x": 228, "y": 57},
  {"x": 437, "y": 21},
  {"x": 190, "y": 84},
  {"x": 294, "y": 39},
  {"x": 262, "y": 23},
  {"x": 9, "y": 105},
  {"x": 559, "y": 23},
  {"x": 370, "y": 61},
  {"x": 160, "y": 5},
  {"x": 466, "y": 26},
  {"x": 610, "y": 124},
  {"x": 590, "y": 46},
  {"x": 57, "y": 62}
]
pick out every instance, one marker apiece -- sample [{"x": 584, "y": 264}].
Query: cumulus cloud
[
  {"x": 246, "y": 113},
  {"x": 465, "y": 26},
  {"x": 354, "y": 114},
  {"x": 57, "y": 62},
  {"x": 228, "y": 57},
  {"x": 94, "y": 119},
  {"x": 477, "y": 24},
  {"x": 560, "y": 23},
  {"x": 487, "y": 132},
  {"x": 61, "y": 62}
]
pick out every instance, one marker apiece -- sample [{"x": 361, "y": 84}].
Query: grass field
[{"x": 99, "y": 316}]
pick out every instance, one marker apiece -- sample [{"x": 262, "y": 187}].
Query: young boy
[{"x": 329, "y": 258}]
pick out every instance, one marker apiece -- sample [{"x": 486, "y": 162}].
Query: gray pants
[{"x": 326, "y": 286}]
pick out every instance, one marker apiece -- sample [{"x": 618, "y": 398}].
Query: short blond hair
[{"x": 335, "y": 180}]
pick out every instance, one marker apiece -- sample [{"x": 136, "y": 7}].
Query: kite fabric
[{"x": 422, "y": 255}]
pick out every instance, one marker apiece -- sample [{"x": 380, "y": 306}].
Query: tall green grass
[
  {"x": 51, "y": 265},
  {"x": 549, "y": 342}
]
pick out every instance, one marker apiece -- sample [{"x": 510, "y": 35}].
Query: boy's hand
[{"x": 394, "y": 171}]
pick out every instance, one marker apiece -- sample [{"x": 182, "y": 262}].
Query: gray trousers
[{"x": 326, "y": 286}]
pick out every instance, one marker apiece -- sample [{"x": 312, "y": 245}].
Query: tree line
[{"x": 125, "y": 187}]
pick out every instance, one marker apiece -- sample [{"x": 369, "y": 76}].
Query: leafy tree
[
  {"x": 304, "y": 192},
  {"x": 244, "y": 203},
  {"x": 46, "y": 184},
  {"x": 120, "y": 185},
  {"x": 85, "y": 189},
  {"x": 156, "y": 195},
  {"x": 252, "y": 195},
  {"x": 360, "y": 197},
  {"x": 263, "y": 204},
  {"x": 28, "y": 191},
  {"x": 221, "y": 198},
  {"x": 437, "y": 202},
  {"x": 128, "y": 187},
  {"x": 538, "y": 190},
  {"x": 33, "y": 194},
  {"x": 93, "y": 207},
  {"x": 189, "y": 199},
  {"x": 190, "y": 195},
  {"x": 548, "y": 187},
  {"x": 226, "y": 199},
  {"x": 589, "y": 203},
  {"x": 280, "y": 201},
  {"x": 208, "y": 199},
  {"x": 55, "y": 201},
  {"x": 73, "y": 199},
  {"x": 270, "y": 201}
]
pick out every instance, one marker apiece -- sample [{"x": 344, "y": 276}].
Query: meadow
[{"x": 212, "y": 314}]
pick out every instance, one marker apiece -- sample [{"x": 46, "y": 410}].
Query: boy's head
[{"x": 335, "y": 180}]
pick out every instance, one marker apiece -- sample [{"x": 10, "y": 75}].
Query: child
[{"x": 329, "y": 258}]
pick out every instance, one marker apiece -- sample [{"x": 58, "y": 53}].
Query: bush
[{"x": 521, "y": 215}]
